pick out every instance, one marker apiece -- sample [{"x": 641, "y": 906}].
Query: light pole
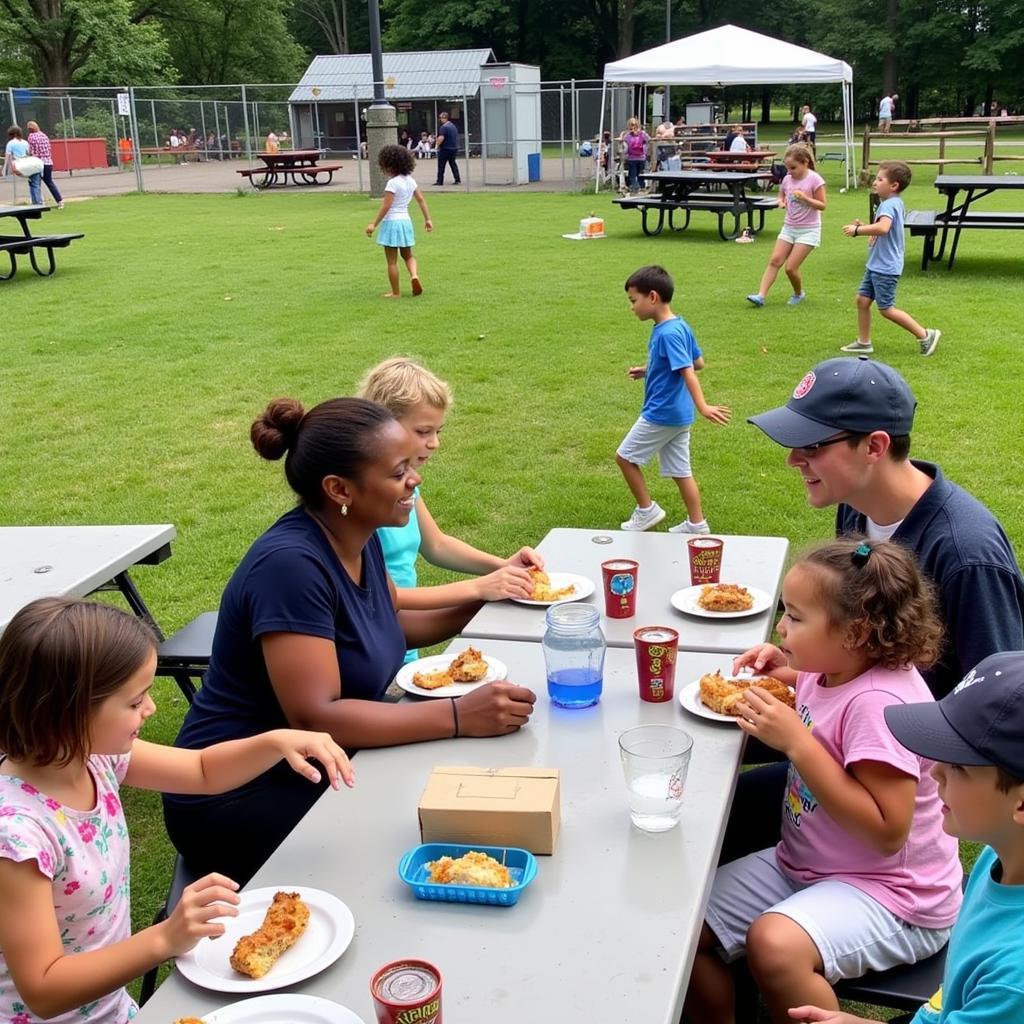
[
  {"x": 668, "y": 39},
  {"x": 381, "y": 121}
]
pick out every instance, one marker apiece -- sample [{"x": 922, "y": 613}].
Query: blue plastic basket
[{"x": 412, "y": 869}]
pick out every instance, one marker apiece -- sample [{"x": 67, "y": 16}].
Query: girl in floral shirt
[{"x": 74, "y": 693}]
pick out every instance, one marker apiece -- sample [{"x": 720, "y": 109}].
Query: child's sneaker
[
  {"x": 864, "y": 347},
  {"x": 795, "y": 300},
  {"x": 930, "y": 342},
  {"x": 644, "y": 519},
  {"x": 756, "y": 300},
  {"x": 687, "y": 527}
]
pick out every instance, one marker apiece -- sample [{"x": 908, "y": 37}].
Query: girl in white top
[
  {"x": 75, "y": 679},
  {"x": 396, "y": 234},
  {"x": 802, "y": 196}
]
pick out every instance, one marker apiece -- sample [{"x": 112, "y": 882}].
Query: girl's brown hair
[
  {"x": 874, "y": 590},
  {"x": 59, "y": 660},
  {"x": 802, "y": 153}
]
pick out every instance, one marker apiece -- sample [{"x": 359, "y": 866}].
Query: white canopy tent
[{"x": 735, "y": 56}]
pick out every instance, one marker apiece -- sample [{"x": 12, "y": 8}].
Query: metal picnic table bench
[
  {"x": 27, "y": 244},
  {"x": 686, "y": 191},
  {"x": 301, "y": 165}
]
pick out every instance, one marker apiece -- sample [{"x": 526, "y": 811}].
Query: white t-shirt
[
  {"x": 738, "y": 145},
  {"x": 403, "y": 187},
  {"x": 175, "y": 142},
  {"x": 809, "y": 122},
  {"x": 876, "y": 532}
]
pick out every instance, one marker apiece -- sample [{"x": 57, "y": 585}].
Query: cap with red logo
[{"x": 855, "y": 395}]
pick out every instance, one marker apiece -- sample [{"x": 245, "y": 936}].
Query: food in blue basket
[
  {"x": 725, "y": 597},
  {"x": 285, "y": 921},
  {"x": 542, "y": 589},
  {"x": 722, "y": 695},
  {"x": 472, "y": 868}
]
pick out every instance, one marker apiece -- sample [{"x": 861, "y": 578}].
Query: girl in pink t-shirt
[
  {"x": 75, "y": 678},
  {"x": 802, "y": 195},
  {"x": 864, "y": 877}
]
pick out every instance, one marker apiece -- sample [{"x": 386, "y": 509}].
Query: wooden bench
[
  {"x": 267, "y": 177},
  {"x": 928, "y": 224},
  {"x": 21, "y": 245},
  {"x": 720, "y": 203}
]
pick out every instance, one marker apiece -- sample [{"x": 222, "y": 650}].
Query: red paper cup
[
  {"x": 705, "y": 560},
  {"x": 407, "y": 992},
  {"x": 620, "y": 587},
  {"x": 656, "y": 649}
]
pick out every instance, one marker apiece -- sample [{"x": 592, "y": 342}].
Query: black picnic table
[
  {"x": 724, "y": 193},
  {"x": 959, "y": 215},
  {"x": 27, "y": 244}
]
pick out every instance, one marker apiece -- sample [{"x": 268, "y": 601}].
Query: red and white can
[
  {"x": 407, "y": 992},
  {"x": 656, "y": 650}
]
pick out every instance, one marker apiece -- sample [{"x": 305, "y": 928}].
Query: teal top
[{"x": 401, "y": 546}]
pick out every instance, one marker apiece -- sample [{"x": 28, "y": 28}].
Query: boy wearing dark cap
[{"x": 976, "y": 737}]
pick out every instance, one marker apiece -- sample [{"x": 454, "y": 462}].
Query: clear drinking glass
[{"x": 655, "y": 759}]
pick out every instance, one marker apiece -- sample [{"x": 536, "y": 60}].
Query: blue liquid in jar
[{"x": 575, "y": 687}]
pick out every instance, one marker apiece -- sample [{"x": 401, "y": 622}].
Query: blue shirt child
[
  {"x": 885, "y": 256},
  {"x": 672, "y": 347}
]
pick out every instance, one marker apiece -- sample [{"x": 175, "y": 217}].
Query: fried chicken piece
[
  {"x": 472, "y": 868},
  {"x": 725, "y": 597},
  {"x": 432, "y": 680},
  {"x": 542, "y": 589},
  {"x": 468, "y": 667},
  {"x": 722, "y": 695},
  {"x": 286, "y": 919}
]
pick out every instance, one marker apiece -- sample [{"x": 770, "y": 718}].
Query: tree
[{"x": 331, "y": 18}]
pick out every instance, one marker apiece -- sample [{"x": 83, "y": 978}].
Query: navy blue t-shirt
[
  {"x": 450, "y": 136},
  {"x": 291, "y": 581},
  {"x": 963, "y": 550}
]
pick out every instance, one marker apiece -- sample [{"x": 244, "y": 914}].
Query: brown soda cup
[
  {"x": 656, "y": 651},
  {"x": 620, "y": 587},
  {"x": 407, "y": 992},
  {"x": 705, "y": 560}
]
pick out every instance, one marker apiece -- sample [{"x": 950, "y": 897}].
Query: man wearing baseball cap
[{"x": 976, "y": 737}]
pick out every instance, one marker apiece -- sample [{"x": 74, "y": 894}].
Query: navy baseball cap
[
  {"x": 980, "y": 723},
  {"x": 858, "y": 395}
]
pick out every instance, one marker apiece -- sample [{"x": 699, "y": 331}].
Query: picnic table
[
  {"x": 606, "y": 932},
  {"x": 959, "y": 215},
  {"x": 664, "y": 570},
  {"x": 75, "y": 561},
  {"x": 27, "y": 244},
  {"x": 302, "y": 166},
  {"x": 724, "y": 193}
]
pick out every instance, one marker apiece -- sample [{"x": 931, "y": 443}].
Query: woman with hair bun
[{"x": 308, "y": 630}]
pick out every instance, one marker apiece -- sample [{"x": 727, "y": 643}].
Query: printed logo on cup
[
  {"x": 419, "y": 1014},
  {"x": 621, "y": 584}
]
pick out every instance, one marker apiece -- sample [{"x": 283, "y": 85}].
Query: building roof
[{"x": 422, "y": 74}]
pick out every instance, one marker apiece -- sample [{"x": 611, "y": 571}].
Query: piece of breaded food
[
  {"x": 725, "y": 597},
  {"x": 472, "y": 868},
  {"x": 432, "y": 680},
  {"x": 722, "y": 695},
  {"x": 286, "y": 920},
  {"x": 189, "y": 1020},
  {"x": 468, "y": 667},
  {"x": 542, "y": 589}
]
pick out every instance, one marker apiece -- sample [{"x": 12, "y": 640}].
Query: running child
[
  {"x": 75, "y": 679},
  {"x": 396, "y": 234},
  {"x": 802, "y": 196},
  {"x": 864, "y": 877}
]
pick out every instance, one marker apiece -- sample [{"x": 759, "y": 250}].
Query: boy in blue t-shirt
[
  {"x": 885, "y": 261},
  {"x": 976, "y": 737},
  {"x": 671, "y": 391}
]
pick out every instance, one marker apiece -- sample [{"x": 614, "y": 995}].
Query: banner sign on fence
[{"x": 124, "y": 103}]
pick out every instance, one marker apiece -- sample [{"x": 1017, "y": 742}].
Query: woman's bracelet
[
  {"x": 856, "y": 230},
  {"x": 455, "y": 718}
]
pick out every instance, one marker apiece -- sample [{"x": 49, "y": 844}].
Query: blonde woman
[{"x": 635, "y": 141}]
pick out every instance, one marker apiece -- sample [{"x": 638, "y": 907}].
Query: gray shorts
[
  {"x": 852, "y": 932},
  {"x": 670, "y": 444},
  {"x": 880, "y": 287}
]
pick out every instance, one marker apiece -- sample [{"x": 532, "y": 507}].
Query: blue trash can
[{"x": 533, "y": 166}]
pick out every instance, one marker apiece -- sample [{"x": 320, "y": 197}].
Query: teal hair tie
[{"x": 861, "y": 554}]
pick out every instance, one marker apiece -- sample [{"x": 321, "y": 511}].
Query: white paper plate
[
  {"x": 330, "y": 930},
  {"x": 287, "y": 1008},
  {"x": 686, "y": 601},
  {"x": 436, "y": 662},
  {"x": 584, "y": 588},
  {"x": 689, "y": 697}
]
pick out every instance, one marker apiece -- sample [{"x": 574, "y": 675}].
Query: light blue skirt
[{"x": 396, "y": 233}]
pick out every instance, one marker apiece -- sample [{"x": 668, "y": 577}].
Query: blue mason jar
[{"x": 574, "y": 649}]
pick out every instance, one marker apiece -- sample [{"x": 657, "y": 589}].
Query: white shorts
[
  {"x": 801, "y": 236},
  {"x": 670, "y": 444},
  {"x": 853, "y": 933}
]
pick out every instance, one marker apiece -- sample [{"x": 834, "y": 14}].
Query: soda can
[
  {"x": 656, "y": 650},
  {"x": 407, "y": 992}
]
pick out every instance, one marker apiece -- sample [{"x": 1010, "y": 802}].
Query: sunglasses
[{"x": 810, "y": 449}]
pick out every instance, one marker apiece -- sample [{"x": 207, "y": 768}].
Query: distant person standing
[
  {"x": 635, "y": 140},
  {"x": 810, "y": 123},
  {"x": 39, "y": 145},
  {"x": 447, "y": 148},
  {"x": 886, "y": 105},
  {"x": 273, "y": 144}
]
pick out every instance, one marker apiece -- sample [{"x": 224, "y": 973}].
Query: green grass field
[{"x": 130, "y": 379}]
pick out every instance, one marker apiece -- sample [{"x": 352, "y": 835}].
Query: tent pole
[{"x": 600, "y": 137}]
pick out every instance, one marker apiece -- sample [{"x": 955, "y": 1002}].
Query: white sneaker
[
  {"x": 644, "y": 520},
  {"x": 687, "y": 527}
]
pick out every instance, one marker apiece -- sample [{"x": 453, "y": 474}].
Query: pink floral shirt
[
  {"x": 85, "y": 854},
  {"x": 39, "y": 145}
]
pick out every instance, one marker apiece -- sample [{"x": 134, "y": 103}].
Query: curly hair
[
  {"x": 395, "y": 160},
  {"x": 874, "y": 590}
]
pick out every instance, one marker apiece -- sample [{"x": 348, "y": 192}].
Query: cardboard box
[
  {"x": 592, "y": 227},
  {"x": 492, "y": 807}
]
